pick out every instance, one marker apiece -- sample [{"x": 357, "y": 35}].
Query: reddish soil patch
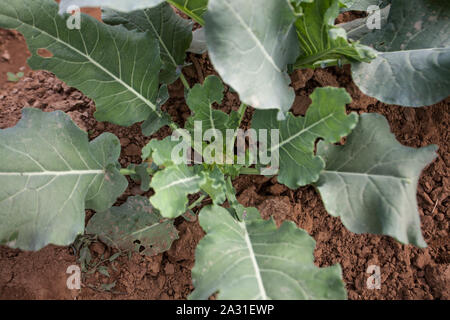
[{"x": 407, "y": 272}]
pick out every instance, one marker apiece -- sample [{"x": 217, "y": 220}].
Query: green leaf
[
  {"x": 326, "y": 119},
  {"x": 157, "y": 120},
  {"x": 172, "y": 185},
  {"x": 117, "y": 68},
  {"x": 173, "y": 33},
  {"x": 321, "y": 41},
  {"x": 362, "y": 5},
  {"x": 141, "y": 176},
  {"x": 358, "y": 28},
  {"x": 160, "y": 151},
  {"x": 193, "y": 8},
  {"x": 134, "y": 226},
  {"x": 120, "y": 5},
  {"x": 250, "y": 44},
  {"x": 371, "y": 181},
  {"x": 108, "y": 286},
  {"x": 14, "y": 77},
  {"x": 254, "y": 259},
  {"x": 104, "y": 271},
  {"x": 198, "y": 44},
  {"x": 213, "y": 183},
  {"x": 200, "y": 100},
  {"x": 50, "y": 174},
  {"x": 413, "y": 63}
]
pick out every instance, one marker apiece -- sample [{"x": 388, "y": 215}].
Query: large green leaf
[
  {"x": 326, "y": 119},
  {"x": 413, "y": 64},
  {"x": 200, "y": 100},
  {"x": 358, "y": 28},
  {"x": 172, "y": 185},
  {"x": 253, "y": 260},
  {"x": 321, "y": 42},
  {"x": 134, "y": 226},
  {"x": 371, "y": 181},
  {"x": 193, "y": 8},
  {"x": 50, "y": 174},
  {"x": 120, "y": 5},
  {"x": 173, "y": 33},
  {"x": 117, "y": 68},
  {"x": 250, "y": 43}
]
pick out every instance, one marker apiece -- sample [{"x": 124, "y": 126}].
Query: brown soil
[{"x": 406, "y": 272}]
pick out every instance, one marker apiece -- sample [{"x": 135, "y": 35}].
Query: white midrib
[
  {"x": 141, "y": 97},
  {"x": 363, "y": 174},
  {"x": 252, "y": 35},
  {"x": 262, "y": 290},
  {"x": 181, "y": 181},
  {"x": 52, "y": 173},
  {"x": 300, "y": 132}
]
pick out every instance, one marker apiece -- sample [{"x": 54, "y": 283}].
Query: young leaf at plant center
[
  {"x": 254, "y": 259},
  {"x": 174, "y": 182},
  {"x": 213, "y": 183},
  {"x": 141, "y": 176},
  {"x": 321, "y": 42},
  {"x": 200, "y": 100},
  {"x": 158, "y": 119},
  {"x": 135, "y": 226},
  {"x": 412, "y": 66},
  {"x": 193, "y": 8},
  {"x": 172, "y": 185},
  {"x": 50, "y": 174},
  {"x": 250, "y": 44},
  {"x": 120, "y": 5},
  {"x": 160, "y": 151},
  {"x": 326, "y": 119},
  {"x": 371, "y": 181},
  {"x": 115, "y": 67},
  {"x": 173, "y": 33}
]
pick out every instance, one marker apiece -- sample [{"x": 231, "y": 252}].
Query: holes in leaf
[
  {"x": 138, "y": 245},
  {"x": 44, "y": 53}
]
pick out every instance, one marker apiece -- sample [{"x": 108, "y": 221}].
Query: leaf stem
[
  {"x": 250, "y": 171},
  {"x": 184, "y": 81},
  {"x": 241, "y": 112},
  {"x": 197, "y": 202},
  {"x": 190, "y": 13},
  {"x": 128, "y": 172}
]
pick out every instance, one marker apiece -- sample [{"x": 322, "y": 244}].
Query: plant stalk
[
  {"x": 197, "y": 202},
  {"x": 184, "y": 81},
  {"x": 250, "y": 171}
]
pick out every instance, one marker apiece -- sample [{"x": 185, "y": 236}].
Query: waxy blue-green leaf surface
[
  {"x": 173, "y": 33},
  {"x": 413, "y": 64},
  {"x": 120, "y": 5},
  {"x": 250, "y": 44},
  {"x": 115, "y": 67},
  {"x": 255, "y": 260},
  {"x": 371, "y": 181},
  {"x": 49, "y": 175}
]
